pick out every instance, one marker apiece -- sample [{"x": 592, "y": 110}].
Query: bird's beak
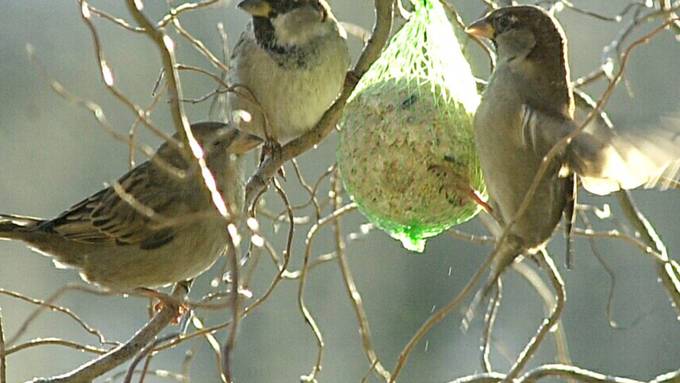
[
  {"x": 258, "y": 8},
  {"x": 481, "y": 28},
  {"x": 243, "y": 142}
]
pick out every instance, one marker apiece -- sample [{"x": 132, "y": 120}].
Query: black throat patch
[{"x": 288, "y": 57}]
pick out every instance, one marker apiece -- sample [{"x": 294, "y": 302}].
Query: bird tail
[{"x": 16, "y": 227}]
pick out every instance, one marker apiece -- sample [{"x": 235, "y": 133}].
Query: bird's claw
[
  {"x": 352, "y": 79},
  {"x": 272, "y": 149},
  {"x": 166, "y": 301}
]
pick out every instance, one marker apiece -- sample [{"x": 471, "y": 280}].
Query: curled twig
[
  {"x": 309, "y": 319},
  {"x": 102, "y": 339},
  {"x": 114, "y": 358},
  {"x": 351, "y": 288},
  {"x": 3, "y": 354},
  {"x": 550, "y": 322}
]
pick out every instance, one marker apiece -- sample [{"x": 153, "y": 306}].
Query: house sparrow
[
  {"x": 292, "y": 60},
  {"x": 526, "y": 109},
  {"x": 157, "y": 228}
]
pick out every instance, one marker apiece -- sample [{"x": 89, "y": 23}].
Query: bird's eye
[{"x": 503, "y": 23}]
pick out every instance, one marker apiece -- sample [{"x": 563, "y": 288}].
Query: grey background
[{"x": 52, "y": 154}]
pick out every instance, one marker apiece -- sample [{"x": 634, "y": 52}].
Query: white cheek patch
[{"x": 300, "y": 26}]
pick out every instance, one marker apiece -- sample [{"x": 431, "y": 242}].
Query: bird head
[
  {"x": 533, "y": 44},
  {"x": 294, "y": 22},
  {"x": 520, "y": 32},
  {"x": 215, "y": 137}
]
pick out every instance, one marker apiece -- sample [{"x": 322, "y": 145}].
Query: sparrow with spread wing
[{"x": 526, "y": 109}]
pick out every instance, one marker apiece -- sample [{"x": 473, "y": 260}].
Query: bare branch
[
  {"x": 668, "y": 269},
  {"x": 3, "y": 354},
  {"x": 124, "y": 352},
  {"x": 351, "y": 288},
  {"x": 60, "y": 309},
  {"x": 58, "y": 342},
  {"x": 166, "y": 46},
  {"x": 548, "y": 323},
  {"x": 301, "y": 289}
]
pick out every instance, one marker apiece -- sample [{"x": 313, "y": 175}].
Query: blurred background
[{"x": 53, "y": 153}]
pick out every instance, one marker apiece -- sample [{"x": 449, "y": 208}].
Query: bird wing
[
  {"x": 132, "y": 215},
  {"x": 604, "y": 159}
]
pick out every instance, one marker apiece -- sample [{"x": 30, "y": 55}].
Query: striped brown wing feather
[{"x": 105, "y": 217}]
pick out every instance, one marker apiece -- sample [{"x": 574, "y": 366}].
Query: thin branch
[
  {"x": 108, "y": 78},
  {"x": 668, "y": 269},
  {"x": 531, "y": 276},
  {"x": 3, "y": 354},
  {"x": 199, "y": 46},
  {"x": 102, "y": 339},
  {"x": 214, "y": 345},
  {"x": 351, "y": 288},
  {"x": 442, "y": 313},
  {"x": 549, "y": 323},
  {"x": 174, "y": 13},
  {"x": 141, "y": 355},
  {"x": 230, "y": 344},
  {"x": 309, "y": 319},
  {"x": 56, "y": 342},
  {"x": 119, "y": 355},
  {"x": 166, "y": 47},
  {"x": 560, "y": 370},
  {"x": 582, "y": 375},
  {"x": 489, "y": 321}
]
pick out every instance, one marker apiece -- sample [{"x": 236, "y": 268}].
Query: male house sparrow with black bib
[
  {"x": 293, "y": 59},
  {"x": 526, "y": 109},
  {"x": 158, "y": 228}
]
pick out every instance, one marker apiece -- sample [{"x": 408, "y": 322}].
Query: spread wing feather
[{"x": 605, "y": 159}]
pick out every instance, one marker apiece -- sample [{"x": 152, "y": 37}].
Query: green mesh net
[{"x": 406, "y": 152}]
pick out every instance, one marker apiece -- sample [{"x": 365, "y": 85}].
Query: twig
[
  {"x": 214, "y": 345},
  {"x": 379, "y": 36},
  {"x": 453, "y": 14},
  {"x": 531, "y": 276},
  {"x": 351, "y": 288},
  {"x": 489, "y": 321},
  {"x": 56, "y": 342},
  {"x": 230, "y": 344},
  {"x": 607, "y": 269},
  {"x": 112, "y": 359},
  {"x": 560, "y": 370},
  {"x": 142, "y": 354},
  {"x": 441, "y": 314},
  {"x": 171, "y": 15},
  {"x": 199, "y": 46},
  {"x": 309, "y": 319},
  {"x": 99, "y": 115},
  {"x": 311, "y": 191},
  {"x": 473, "y": 238},
  {"x": 108, "y": 78},
  {"x": 667, "y": 269},
  {"x": 60, "y": 309},
  {"x": 166, "y": 46},
  {"x": 3, "y": 354},
  {"x": 548, "y": 323},
  {"x": 582, "y": 375}
]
